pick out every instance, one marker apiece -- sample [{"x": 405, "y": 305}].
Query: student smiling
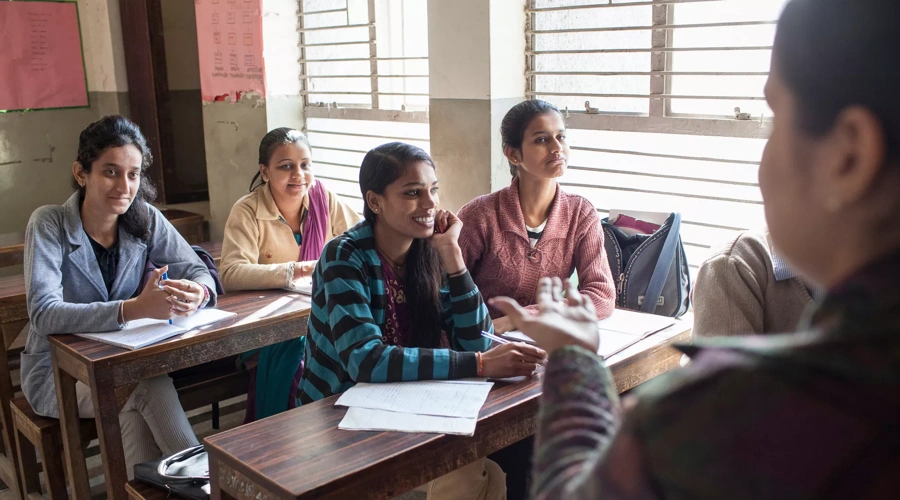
[
  {"x": 275, "y": 234},
  {"x": 84, "y": 261}
]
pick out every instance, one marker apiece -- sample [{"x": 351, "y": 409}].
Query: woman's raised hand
[{"x": 560, "y": 321}]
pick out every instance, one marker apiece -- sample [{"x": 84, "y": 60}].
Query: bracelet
[
  {"x": 206, "y": 296},
  {"x": 480, "y": 364},
  {"x": 458, "y": 273}
]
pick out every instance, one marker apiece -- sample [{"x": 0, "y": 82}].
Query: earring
[{"x": 265, "y": 179}]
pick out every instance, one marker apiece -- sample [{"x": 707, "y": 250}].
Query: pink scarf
[{"x": 314, "y": 237}]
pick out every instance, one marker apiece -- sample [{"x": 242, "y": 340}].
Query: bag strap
[
  {"x": 178, "y": 457},
  {"x": 663, "y": 266}
]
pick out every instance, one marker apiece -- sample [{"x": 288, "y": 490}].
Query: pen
[
  {"x": 499, "y": 340},
  {"x": 165, "y": 276}
]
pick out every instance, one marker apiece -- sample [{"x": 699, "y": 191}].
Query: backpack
[{"x": 650, "y": 270}]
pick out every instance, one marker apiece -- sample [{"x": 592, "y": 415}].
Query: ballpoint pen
[{"x": 165, "y": 276}]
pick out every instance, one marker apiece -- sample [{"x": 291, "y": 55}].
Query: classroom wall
[
  {"x": 232, "y": 130},
  {"x": 477, "y": 70},
  {"x": 37, "y": 148}
]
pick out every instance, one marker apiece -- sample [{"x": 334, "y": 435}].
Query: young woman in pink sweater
[
  {"x": 530, "y": 230},
  {"x": 533, "y": 229}
]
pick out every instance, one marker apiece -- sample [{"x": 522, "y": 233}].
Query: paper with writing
[
  {"x": 40, "y": 56},
  {"x": 143, "y": 332},
  {"x": 230, "y": 45},
  {"x": 425, "y": 397},
  {"x": 366, "y": 419}
]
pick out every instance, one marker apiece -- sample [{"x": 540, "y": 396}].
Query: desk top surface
[
  {"x": 302, "y": 452},
  {"x": 255, "y": 310}
]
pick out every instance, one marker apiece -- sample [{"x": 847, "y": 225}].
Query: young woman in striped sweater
[{"x": 393, "y": 301}]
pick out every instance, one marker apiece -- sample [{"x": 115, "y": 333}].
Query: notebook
[
  {"x": 619, "y": 331},
  {"x": 143, "y": 332},
  {"x": 302, "y": 285}
]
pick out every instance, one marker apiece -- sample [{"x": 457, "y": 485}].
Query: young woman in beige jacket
[{"x": 275, "y": 234}]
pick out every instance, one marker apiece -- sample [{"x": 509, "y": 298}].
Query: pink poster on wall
[
  {"x": 229, "y": 36},
  {"x": 40, "y": 56}
]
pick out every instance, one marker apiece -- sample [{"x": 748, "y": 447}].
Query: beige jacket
[
  {"x": 736, "y": 291},
  {"x": 259, "y": 250}
]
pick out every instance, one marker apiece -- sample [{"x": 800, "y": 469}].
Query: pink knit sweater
[{"x": 497, "y": 252}]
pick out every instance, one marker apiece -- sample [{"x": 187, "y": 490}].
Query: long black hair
[
  {"x": 275, "y": 138},
  {"x": 833, "y": 54},
  {"x": 517, "y": 119},
  {"x": 424, "y": 274},
  {"x": 114, "y": 131}
]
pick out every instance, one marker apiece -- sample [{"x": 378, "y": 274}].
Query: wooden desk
[
  {"x": 301, "y": 454},
  {"x": 188, "y": 224},
  {"x": 264, "y": 318},
  {"x": 12, "y": 247}
]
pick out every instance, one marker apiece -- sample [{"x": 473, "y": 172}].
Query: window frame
[{"x": 660, "y": 118}]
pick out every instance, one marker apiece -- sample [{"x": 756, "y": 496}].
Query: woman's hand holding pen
[
  {"x": 153, "y": 302},
  {"x": 513, "y": 359}
]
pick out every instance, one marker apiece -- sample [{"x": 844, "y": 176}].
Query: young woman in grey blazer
[{"x": 84, "y": 262}]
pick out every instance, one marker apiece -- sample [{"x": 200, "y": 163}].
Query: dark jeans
[{"x": 515, "y": 460}]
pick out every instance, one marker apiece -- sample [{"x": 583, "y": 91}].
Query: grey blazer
[{"x": 66, "y": 293}]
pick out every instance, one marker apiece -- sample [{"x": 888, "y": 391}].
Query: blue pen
[
  {"x": 499, "y": 340},
  {"x": 165, "y": 276}
]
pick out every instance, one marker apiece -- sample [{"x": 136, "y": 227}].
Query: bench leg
[
  {"x": 215, "y": 416},
  {"x": 29, "y": 481},
  {"x": 54, "y": 472}
]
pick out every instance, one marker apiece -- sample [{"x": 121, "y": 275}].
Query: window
[
  {"x": 650, "y": 90},
  {"x": 365, "y": 82}
]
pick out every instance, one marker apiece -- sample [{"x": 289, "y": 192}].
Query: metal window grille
[
  {"x": 650, "y": 90},
  {"x": 364, "y": 83}
]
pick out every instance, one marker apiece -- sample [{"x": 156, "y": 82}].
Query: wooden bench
[
  {"x": 200, "y": 386},
  {"x": 37, "y": 434},
  {"x": 188, "y": 224},
  {"x": 137, "y": 490},
  {"x": 12, "y": 247}
]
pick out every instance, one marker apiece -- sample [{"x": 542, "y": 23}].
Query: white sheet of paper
[
  {"x": 455, "y": 398},
  {"x": 635, "y": 323},
  {"x": 366, "y": 419},
  {"x": 302, "y": 285},
  {"x": 143, "y": 332},
  {"x": 619, "y": 331}
]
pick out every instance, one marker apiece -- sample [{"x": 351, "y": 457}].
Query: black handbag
[
  {"x": 185, "y": 474},
  {"x": 650, "y": 270}
]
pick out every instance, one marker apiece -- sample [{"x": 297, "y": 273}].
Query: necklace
[{"x": 395, "y": 266}]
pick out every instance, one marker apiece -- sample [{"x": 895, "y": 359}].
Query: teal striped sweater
[{"x": 344, "y": 344}]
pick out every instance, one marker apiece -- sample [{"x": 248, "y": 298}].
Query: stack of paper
[
  {"x": 444, "y": 407},
  {"x": 619, "y": 331},
  {"x": 143, "y": 332}
]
